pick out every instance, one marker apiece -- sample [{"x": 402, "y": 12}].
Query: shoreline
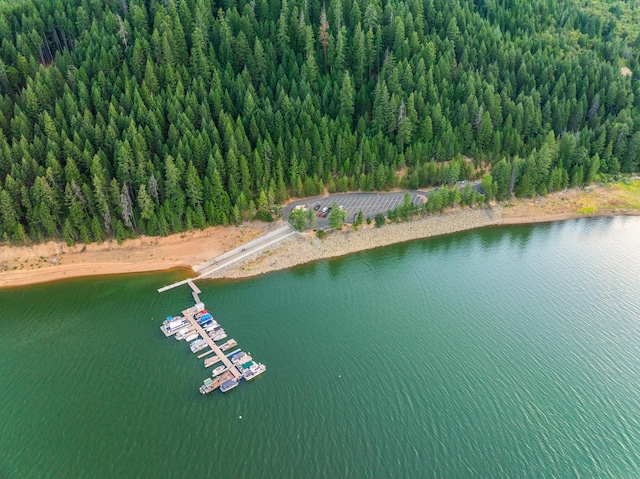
[
  {"x": 20, "y": 266},
  {"x": 26, "y": 265},
  {"x": 306, "y": 248}
]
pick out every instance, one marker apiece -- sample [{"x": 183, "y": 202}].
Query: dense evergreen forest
[{"x": 120, "y": 117}]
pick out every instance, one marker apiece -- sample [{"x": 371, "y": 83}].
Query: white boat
[
  {"x": 253, "y": 371},
  {"x": 220, "y": 336},
  {"x": 192, "y": 337},
  {"x": 173, "y": 325},
  {"x": 242, "y": 359},
  {"x": 228, "y": 345},
  {"x": 238, "y": 357},
  {"x": 184, "y": 332},
  {"x": 198, "y": 345},
  {"x": 228, "y": 385},
  {"x": 211, "y": 327},
  {"x": 219, "y": 370},
  {"x": 214, "y": 332}
]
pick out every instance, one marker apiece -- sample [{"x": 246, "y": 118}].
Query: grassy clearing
[
  {"x": 623, "y": 195},
  {"x": 591, "y": 200},
  {"x": 587, "y": 210}
]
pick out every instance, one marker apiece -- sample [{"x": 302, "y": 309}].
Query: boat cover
[{"x": 228, "y": 383}]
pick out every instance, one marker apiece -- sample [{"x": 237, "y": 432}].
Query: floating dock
[
  {"x": 189, "y": 323},
  {"x": 196, "y": 291},
  {"x": 211, "y": 361},
  {"x": 207, "y": 353},
  {"x": 190, "y": 315}
]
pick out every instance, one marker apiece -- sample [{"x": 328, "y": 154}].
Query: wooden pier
[
  {"x": 196, "y": 291},
  {"x": 206, "y": 354},
  {"x": 211, "y": 361},
  {"x": 190, "y": 315}
]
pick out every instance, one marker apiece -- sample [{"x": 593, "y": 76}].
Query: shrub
[{"x": 263, "y": 215}]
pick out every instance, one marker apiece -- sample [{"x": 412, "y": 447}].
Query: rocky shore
[{"x": 306, "y": 247}]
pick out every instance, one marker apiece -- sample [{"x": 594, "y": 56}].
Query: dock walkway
[
  {"x": 190, "y": 315},
  {"x": 195, "y": 291}
]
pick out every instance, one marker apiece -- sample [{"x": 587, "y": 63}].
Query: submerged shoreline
[
  {"x": 32, "y": 265},
  {"x": 306, "y": 247}
]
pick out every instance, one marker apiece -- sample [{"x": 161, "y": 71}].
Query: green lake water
[{"x": 497, "y": 353}]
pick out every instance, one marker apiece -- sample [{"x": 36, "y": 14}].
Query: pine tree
[
  {"x": 145, "y": 204},
  {"x": 346, "y": 98},
  {"x": 193, "y": 186}
]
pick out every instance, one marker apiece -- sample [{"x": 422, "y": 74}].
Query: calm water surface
[{"x": 500, "y": 353}]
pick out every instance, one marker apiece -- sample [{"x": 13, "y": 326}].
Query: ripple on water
[{"x": 504, "y": 352}]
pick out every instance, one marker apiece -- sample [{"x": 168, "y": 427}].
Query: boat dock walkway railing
[{"x": 190, "y": 315}]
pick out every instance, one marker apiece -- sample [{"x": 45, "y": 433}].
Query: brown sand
[
  {"x": 590, "y": 201},
  {"x": 28, "y": 265}
]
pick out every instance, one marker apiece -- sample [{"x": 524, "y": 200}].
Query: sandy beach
[{"x": 55, "y": 260}]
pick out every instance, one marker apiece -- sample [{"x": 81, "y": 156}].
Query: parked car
[{"x": 316, "y": 207}]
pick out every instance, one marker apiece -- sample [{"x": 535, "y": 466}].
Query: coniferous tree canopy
[{"x": 120, "y": 117}]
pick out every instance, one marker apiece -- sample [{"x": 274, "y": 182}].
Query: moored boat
[
  {"x": 204, "y": 317},
  {"x": 173, "y": 324},
  {"x": 245, "y": 365},
  {"x": 214, "y": 324},
  {"x": 234, "y": 354},
  {"x": 242, "y": 359},
  {"x": 238, "y": 357},
  {"x": 213, "y": 384},
  {"x": 228, "y": 345},
  {"x": 253, "y": 371},
  {"x": 191, "y": 337},
  {"x": 219, "y": 370},
  {"x": 217, "y": 334},
  {"x": 198, "y": 345},
  {"x": 207, "y": 387},
  {"x": 184, "y": 332},
  {"x": 228, "y": 385}
]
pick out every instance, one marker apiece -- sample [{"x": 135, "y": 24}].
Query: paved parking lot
[{"x": 369, "y": 203}]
